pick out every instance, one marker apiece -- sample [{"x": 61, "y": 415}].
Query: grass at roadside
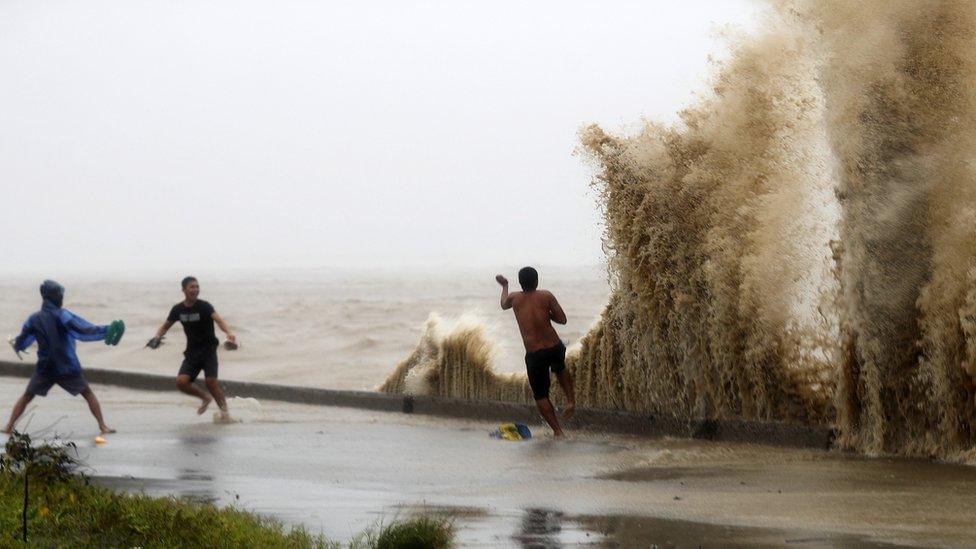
[
  {"x": 63, "y": 510},
  {"x": 421, "y": 532},
  {"x": 73, "y": 514}
]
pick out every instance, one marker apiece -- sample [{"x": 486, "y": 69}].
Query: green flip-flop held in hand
[{"x": 115, "y": 331}]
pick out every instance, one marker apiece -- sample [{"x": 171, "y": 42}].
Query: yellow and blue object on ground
[{"x": 512, "y": 431}]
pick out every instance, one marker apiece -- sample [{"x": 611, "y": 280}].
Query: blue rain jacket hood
[
  {"x": 55, "y": 331},
  {"x": 52, "y": 292}
]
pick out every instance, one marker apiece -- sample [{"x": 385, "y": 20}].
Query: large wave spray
[
  {"x": 719, "y": 249},
  {"x": 898, "y": 81},
  {"x": 455, "y": 361},
  {"x": 800, "y": 247}
]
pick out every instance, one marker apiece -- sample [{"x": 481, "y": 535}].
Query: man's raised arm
[
  {"x": 81, "y": 329},
  {"x": 506, "y": 298}
]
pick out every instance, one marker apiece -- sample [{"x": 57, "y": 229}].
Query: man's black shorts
[
  {"x": 195, "y": 360},
  {"x": 39, "y": 385},
  {"x": 538, "y": 363}
]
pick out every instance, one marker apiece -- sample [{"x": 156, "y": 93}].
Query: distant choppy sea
[{"x": 317, "y": 328}]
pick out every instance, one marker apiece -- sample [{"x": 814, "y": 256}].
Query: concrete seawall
[{"x": 607, "y": 421}]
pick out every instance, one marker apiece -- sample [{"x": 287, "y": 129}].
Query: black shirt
[{"x": 197, "y": 323}]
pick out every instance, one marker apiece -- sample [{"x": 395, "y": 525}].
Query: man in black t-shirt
[{"x": 198, "y": 318}]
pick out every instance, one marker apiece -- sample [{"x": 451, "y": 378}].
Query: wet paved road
[{"x": 338, "y": 471}]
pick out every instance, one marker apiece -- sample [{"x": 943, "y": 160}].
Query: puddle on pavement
[
  {"x": 630, "y": 531},
  {"x": 190, "y": 474},
  {"x": 538, "y": 528},
  {"x": 191, "y": 486}
]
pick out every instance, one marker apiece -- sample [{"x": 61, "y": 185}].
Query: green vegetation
[
  {"x": 417, "y": 533},
  {"x": 74, "y": 514},
  {"x": 63, "y": 510},
  {"x": 420, "y": 532}
]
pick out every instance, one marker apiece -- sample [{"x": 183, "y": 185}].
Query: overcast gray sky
[{"x": 238, "y": 133}]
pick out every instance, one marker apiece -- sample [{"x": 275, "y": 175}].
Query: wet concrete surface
[{"x": 338, "y": 471}]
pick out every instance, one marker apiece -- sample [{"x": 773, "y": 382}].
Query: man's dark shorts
[
  {"x": 197, "y": 360},
  {"x": 39, "y": 384},
  {"x": 538, "y": 363}
]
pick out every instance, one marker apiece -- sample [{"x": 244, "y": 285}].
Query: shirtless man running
[{"x": 535, "y": 310}]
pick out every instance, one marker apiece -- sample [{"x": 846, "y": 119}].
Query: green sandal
[{"x": 115, "y": 331}]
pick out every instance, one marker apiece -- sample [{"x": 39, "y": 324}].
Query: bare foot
[
  {"x": 569, "y": 410},
  {"x": 223, "y": 417},
  {"x": 203, "y": 407},
  {"x": 7, "y": 431},
  {"x": 106, "y": 430},
  {"x": 557, "y": 434}
]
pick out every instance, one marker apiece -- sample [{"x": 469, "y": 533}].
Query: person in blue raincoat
[{"x": 55, "y": 330}]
